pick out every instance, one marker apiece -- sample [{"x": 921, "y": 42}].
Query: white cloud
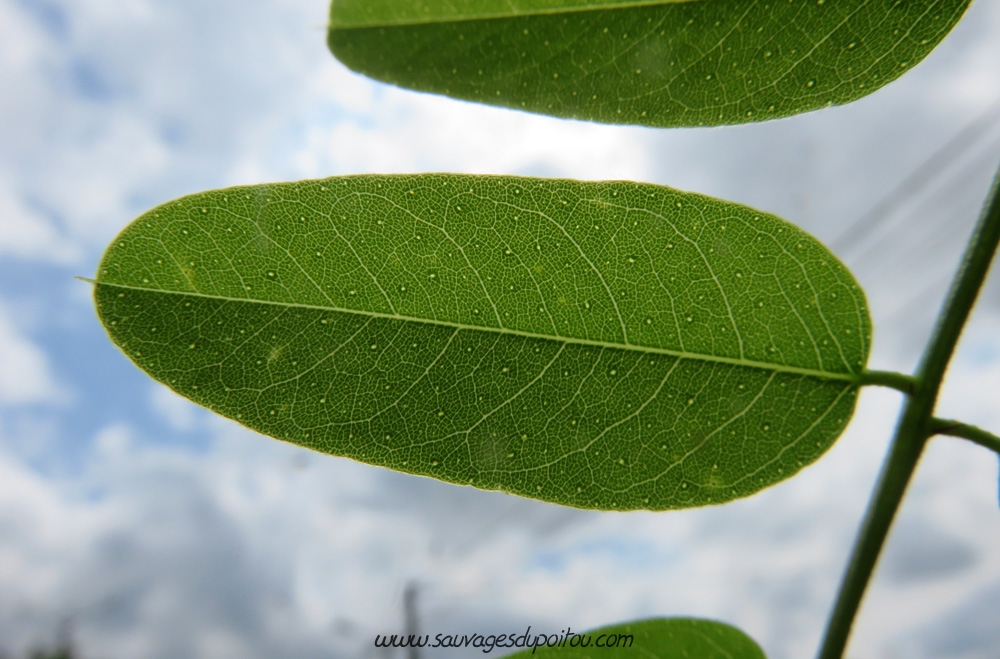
[
  {"x": 177, "y": 412},
  {"x": 29, "y": 235},
  {"x": 393, "y": 130},
  {"x": 22, "y": 55},
  {"x": 25, "y": 374}
]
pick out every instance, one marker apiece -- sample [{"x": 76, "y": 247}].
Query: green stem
[
  {"x": 965, "y": 431},
  {"x": 914, "y": 425},
  {"x": 891, "y": 379}
]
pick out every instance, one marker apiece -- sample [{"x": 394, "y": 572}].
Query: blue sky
[{"x": 157, "y": 530}]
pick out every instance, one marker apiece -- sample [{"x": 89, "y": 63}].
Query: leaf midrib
[
  {"x": 681, "y": 354},
  {"x": 333, "y": 25}
]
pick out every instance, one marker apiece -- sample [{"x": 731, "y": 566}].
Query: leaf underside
[
  {"x": 658, "y": 638},
  {"x": 601, "y": 345},
  {"x": 666, "y": 64}
]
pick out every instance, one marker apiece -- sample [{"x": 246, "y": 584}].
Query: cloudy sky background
[{"x": 156, "y": 530}]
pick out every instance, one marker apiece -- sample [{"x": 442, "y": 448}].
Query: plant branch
[
  {"x": 914, "y": 425},
  {"x": 965, "y": 431},
  {"x": 891, "y": 379}
]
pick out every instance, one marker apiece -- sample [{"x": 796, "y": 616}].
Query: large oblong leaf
[
  {"x": 656, "y": 638},
  {"x": 602, "y": 345},
  {"x": 649, "y": 62}
]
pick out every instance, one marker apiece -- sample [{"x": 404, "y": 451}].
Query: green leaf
[
  {"x": 666, "y": 63},
  {"x": 602, "y": 345},
  {"x": 658, "y": 638}
]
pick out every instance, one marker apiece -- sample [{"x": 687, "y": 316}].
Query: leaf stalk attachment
[
  {"x": 891, "y": 379},
  {"x": 965, "y": 431}
]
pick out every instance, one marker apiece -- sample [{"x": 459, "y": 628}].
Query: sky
[{"x": 149, "y": 528}]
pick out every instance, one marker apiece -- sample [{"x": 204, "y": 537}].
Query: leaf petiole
[
  {"x": 965, "y": 431},
  {"x": 891, "y": 379}
]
